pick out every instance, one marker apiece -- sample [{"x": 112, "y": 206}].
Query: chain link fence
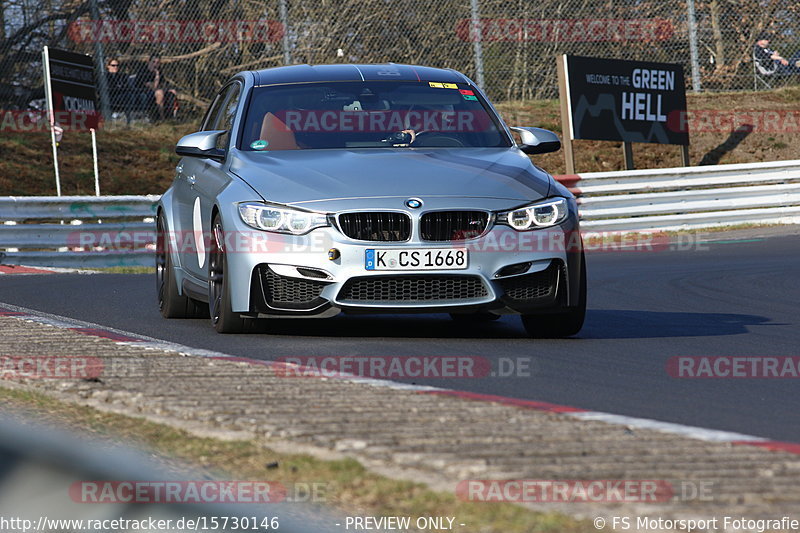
[{"x": 507, "y": 46}]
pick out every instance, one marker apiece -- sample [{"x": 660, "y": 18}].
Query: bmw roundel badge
[{"x": 414, "y": 203}]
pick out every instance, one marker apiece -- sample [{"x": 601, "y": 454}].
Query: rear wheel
[
  {"x": 557, "y": 325},
  {"x": 219, "y": 295},
  {"x": 170, "y": 303}
]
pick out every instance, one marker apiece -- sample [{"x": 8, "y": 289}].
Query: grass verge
[{"x": 126, "y": 270}]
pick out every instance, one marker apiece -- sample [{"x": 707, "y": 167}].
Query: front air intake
[{"x": 376, "y": 226}]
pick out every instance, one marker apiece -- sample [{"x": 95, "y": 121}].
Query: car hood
[{"x": 320, "y": 177}]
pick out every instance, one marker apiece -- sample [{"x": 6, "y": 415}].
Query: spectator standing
[{"x": 119, "y": 87}]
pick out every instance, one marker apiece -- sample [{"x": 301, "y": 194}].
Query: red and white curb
[
  {"x": 570, "y": 181},
  {"x": 16, "y": 269},
  {"x": 127, "y": 338},
  {"x": 20, "y": 269}
]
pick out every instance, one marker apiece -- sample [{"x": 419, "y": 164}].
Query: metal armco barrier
[
  {"x": 688, "y": 198},
  {"x": 104, "y": 231},
  {"x": 40, "y": 467},
  {"x": 77, "y": 231}
]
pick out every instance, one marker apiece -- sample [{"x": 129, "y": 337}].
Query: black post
[
  {"x": 627, "y": 152},
  {"x": 685, "y": 161}
]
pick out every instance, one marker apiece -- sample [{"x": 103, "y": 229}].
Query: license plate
[{"x": 416, "y": 259}]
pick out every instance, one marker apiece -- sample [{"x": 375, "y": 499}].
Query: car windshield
[{"x": 369, "y": 115}]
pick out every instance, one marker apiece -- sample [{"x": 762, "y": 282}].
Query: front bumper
[{"x": 509, "y": 272}]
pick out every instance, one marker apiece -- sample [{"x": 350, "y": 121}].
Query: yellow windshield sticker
[{"x": 441, "y": 85}]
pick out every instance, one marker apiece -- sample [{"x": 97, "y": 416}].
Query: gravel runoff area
[{"x": 409, "y": 433}]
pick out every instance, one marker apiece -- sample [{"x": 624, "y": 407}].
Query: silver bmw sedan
[{"x": 311, "y": 191}]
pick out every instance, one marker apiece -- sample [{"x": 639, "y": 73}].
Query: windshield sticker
[
  {"x": 466, "y": 92},
  {"x": 470, "y": 97},
  {"x": 440, "y": 85},
  {"x": 259, "y": 145}
]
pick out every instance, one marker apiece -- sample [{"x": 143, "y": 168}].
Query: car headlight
[
  {"x": 281, "y": 219},
  {"x": 539, "y": 215}
]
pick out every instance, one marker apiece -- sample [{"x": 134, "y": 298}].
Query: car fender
[{"x": 239, "y": 263}]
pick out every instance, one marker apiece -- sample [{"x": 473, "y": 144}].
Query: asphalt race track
[{"x": 727, "y": 298}]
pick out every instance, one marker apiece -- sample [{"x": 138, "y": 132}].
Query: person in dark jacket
[
  {"x": 151, "y": 78},
  {"x": 117, "y": 84},
  {"x": 770, "y": 62}
]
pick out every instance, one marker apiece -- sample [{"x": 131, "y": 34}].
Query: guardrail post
[{"x": 627, "y": 152}]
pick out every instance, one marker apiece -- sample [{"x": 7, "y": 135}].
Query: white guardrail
[
  {"x": 688, "y": 197},
  {"x": 104, "y": 231},
  {"x": 77, "y": 231}
]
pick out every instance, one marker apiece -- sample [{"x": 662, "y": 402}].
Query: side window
[
  {"x": 211, "y": 115},
  {"x": 227, "y": 114}
]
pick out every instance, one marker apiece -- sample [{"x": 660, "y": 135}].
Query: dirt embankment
[{"x": 140, "y": 159}]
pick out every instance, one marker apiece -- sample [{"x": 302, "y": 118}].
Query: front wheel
[
  {"x": 558, "y": 325},
  {"x": 219, "y": 295}
]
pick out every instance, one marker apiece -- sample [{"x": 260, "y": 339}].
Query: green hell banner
[{"x": 630, "y": 101}]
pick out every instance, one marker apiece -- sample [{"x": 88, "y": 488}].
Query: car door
[{"x": 203, "y": 179}]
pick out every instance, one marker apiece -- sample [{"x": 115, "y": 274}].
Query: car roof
[{"x": 355, "y": 72}]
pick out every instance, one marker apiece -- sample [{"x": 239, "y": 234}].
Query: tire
[
  {"x": 170, "y": 303},
  {"x": 559, "y": 325},
  {"x": 219, "y": 295},
  {"x": 474, "y": 318}
]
